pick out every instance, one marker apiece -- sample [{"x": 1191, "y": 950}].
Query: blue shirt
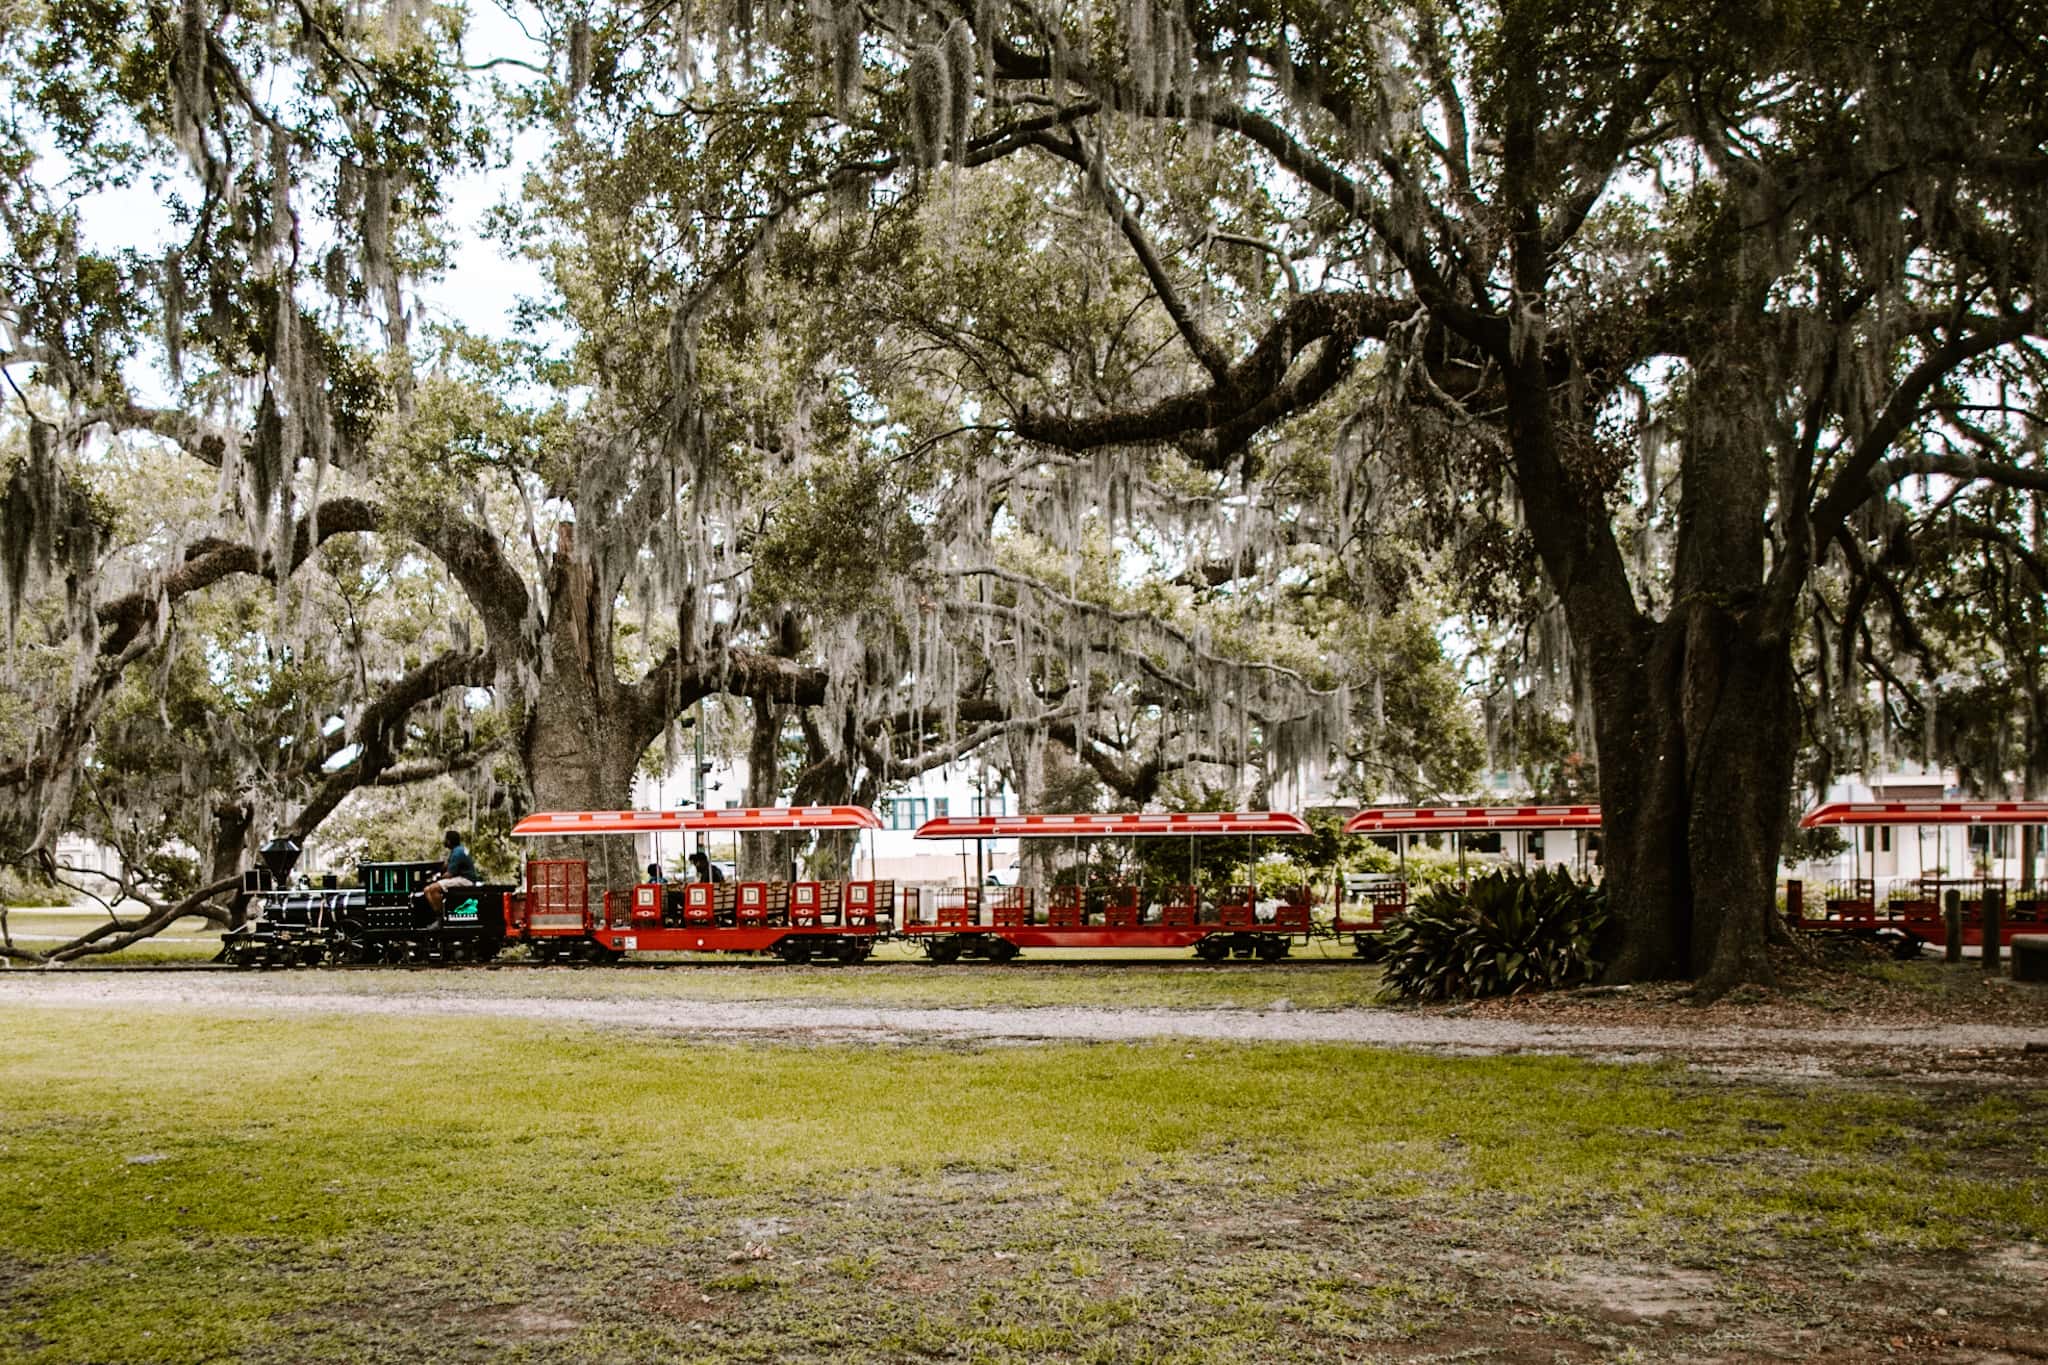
[{"x": 460, "y": 864}]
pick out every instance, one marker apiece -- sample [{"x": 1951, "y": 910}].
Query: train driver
[{"x": 459, "y": 870}]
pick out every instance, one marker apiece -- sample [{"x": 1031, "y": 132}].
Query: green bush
[{"x": 1507, "y": 932}]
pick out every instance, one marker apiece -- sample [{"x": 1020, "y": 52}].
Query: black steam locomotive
[{"x": 385, "y": 918}]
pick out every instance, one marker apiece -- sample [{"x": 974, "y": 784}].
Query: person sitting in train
[
  {"x": 707, "y": 871},
  {"x": 458, "y": 869}
]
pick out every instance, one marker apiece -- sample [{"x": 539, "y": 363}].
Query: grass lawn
[{"x": 181, "y": 1188}]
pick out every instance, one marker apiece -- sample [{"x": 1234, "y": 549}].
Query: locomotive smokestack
[{"x": 280, "y": 856}]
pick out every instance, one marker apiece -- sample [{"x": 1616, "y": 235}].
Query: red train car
[
  {"x": 1384, "y": 902},
  {"x": 996, "y": 922},
  {"x": 1912, "y": 909},
  {"x": 558, "y": 915}
]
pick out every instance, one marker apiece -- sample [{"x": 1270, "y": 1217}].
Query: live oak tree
[
  {"x": 1687, "y": 300},
  {"x": 597, "y": 507}
]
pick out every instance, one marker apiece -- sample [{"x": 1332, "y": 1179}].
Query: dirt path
[{"x": 1994, "y": 1052}]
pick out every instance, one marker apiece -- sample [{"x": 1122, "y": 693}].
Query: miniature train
[
  {"x": 387, "y": 918},
  {"x": 559, "y": 914}
]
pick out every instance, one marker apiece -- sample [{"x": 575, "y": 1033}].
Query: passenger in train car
[
  {"x": 706, "y": 870},
  {"x": 459, "y": 869}
]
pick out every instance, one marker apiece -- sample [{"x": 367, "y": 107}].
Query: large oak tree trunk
[
  {"x": 766, "y": 857},
  {"x": 584, "y": 733},
  {"x": 1695, "y": 714},
  {"x": 1697, "y": 731}
]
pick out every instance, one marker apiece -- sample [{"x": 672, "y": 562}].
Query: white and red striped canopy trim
[
  {"x": 1194, "y": 822},
  {"x": 570, "y": 822},
  {"x": 1433, "y": 819},
  {"x": 1926, "y": 813}
]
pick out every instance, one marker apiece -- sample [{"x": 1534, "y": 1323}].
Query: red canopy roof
[
  {"x": 1111, "y": 826},
  {"x": 1926, "y": 813},
  {"x": 561, "y": 822},
  {"x": 1431, "y": 819}
]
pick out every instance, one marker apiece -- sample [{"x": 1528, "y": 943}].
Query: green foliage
[
  {"x": 1507, "y": 932},
  {"x": 836, "y": 539},
  {"x": 1811, "y": 845},
  {"x": 404, "y": 824}
]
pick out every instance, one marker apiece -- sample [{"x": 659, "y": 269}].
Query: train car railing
[
  {"x": 1850, "y": 901},
  {"x": 1380, "y": 902},
  {"x": 557, "y": 896},
  {"x": 1182, "y": 908},
  {"x": 1009, "y": 906},
  {"x": 958, "y": 906}
]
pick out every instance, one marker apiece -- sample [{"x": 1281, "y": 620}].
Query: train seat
[
  {"x": 1182, "y": 909},
  {"x": 750, "y": 902}
]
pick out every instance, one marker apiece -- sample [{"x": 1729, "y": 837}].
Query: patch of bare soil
[
  {"x": 1220, "y": 1271},
  {"x": 515, "y": 1323},
  {"x": 683, "y": 1301}
]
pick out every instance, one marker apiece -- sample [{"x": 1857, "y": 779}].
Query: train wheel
[
  {"x": 943, "y": 948},
  {"x": 1212, "y": 949},
  {"x": 1001, "y": 950},
  {"x": 1369, "y": 948},
  {"x": 852, "y": 951},
  {"x": 1272, "y": 948},
  {"x": 796, "y": 951}
]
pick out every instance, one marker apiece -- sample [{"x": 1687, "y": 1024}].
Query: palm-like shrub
[{"x": 1504, "y": 933}]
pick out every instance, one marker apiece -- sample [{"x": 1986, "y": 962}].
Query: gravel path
[{"x": 1924, "y": 1049}]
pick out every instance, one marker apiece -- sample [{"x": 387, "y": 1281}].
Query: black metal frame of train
[{"x": 385, "y": 918}]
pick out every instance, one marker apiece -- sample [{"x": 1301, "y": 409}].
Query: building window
[
  {"x": 1536, "y": 846},
  {"x": 906, "y": 812},
  {"x": 1877, "y": 838},
  {"x": 992, "y": 805},
  {"x": 939, "y": 807}
]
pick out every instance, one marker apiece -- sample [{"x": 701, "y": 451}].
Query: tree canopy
[{"x": 1178, "y": 385}]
